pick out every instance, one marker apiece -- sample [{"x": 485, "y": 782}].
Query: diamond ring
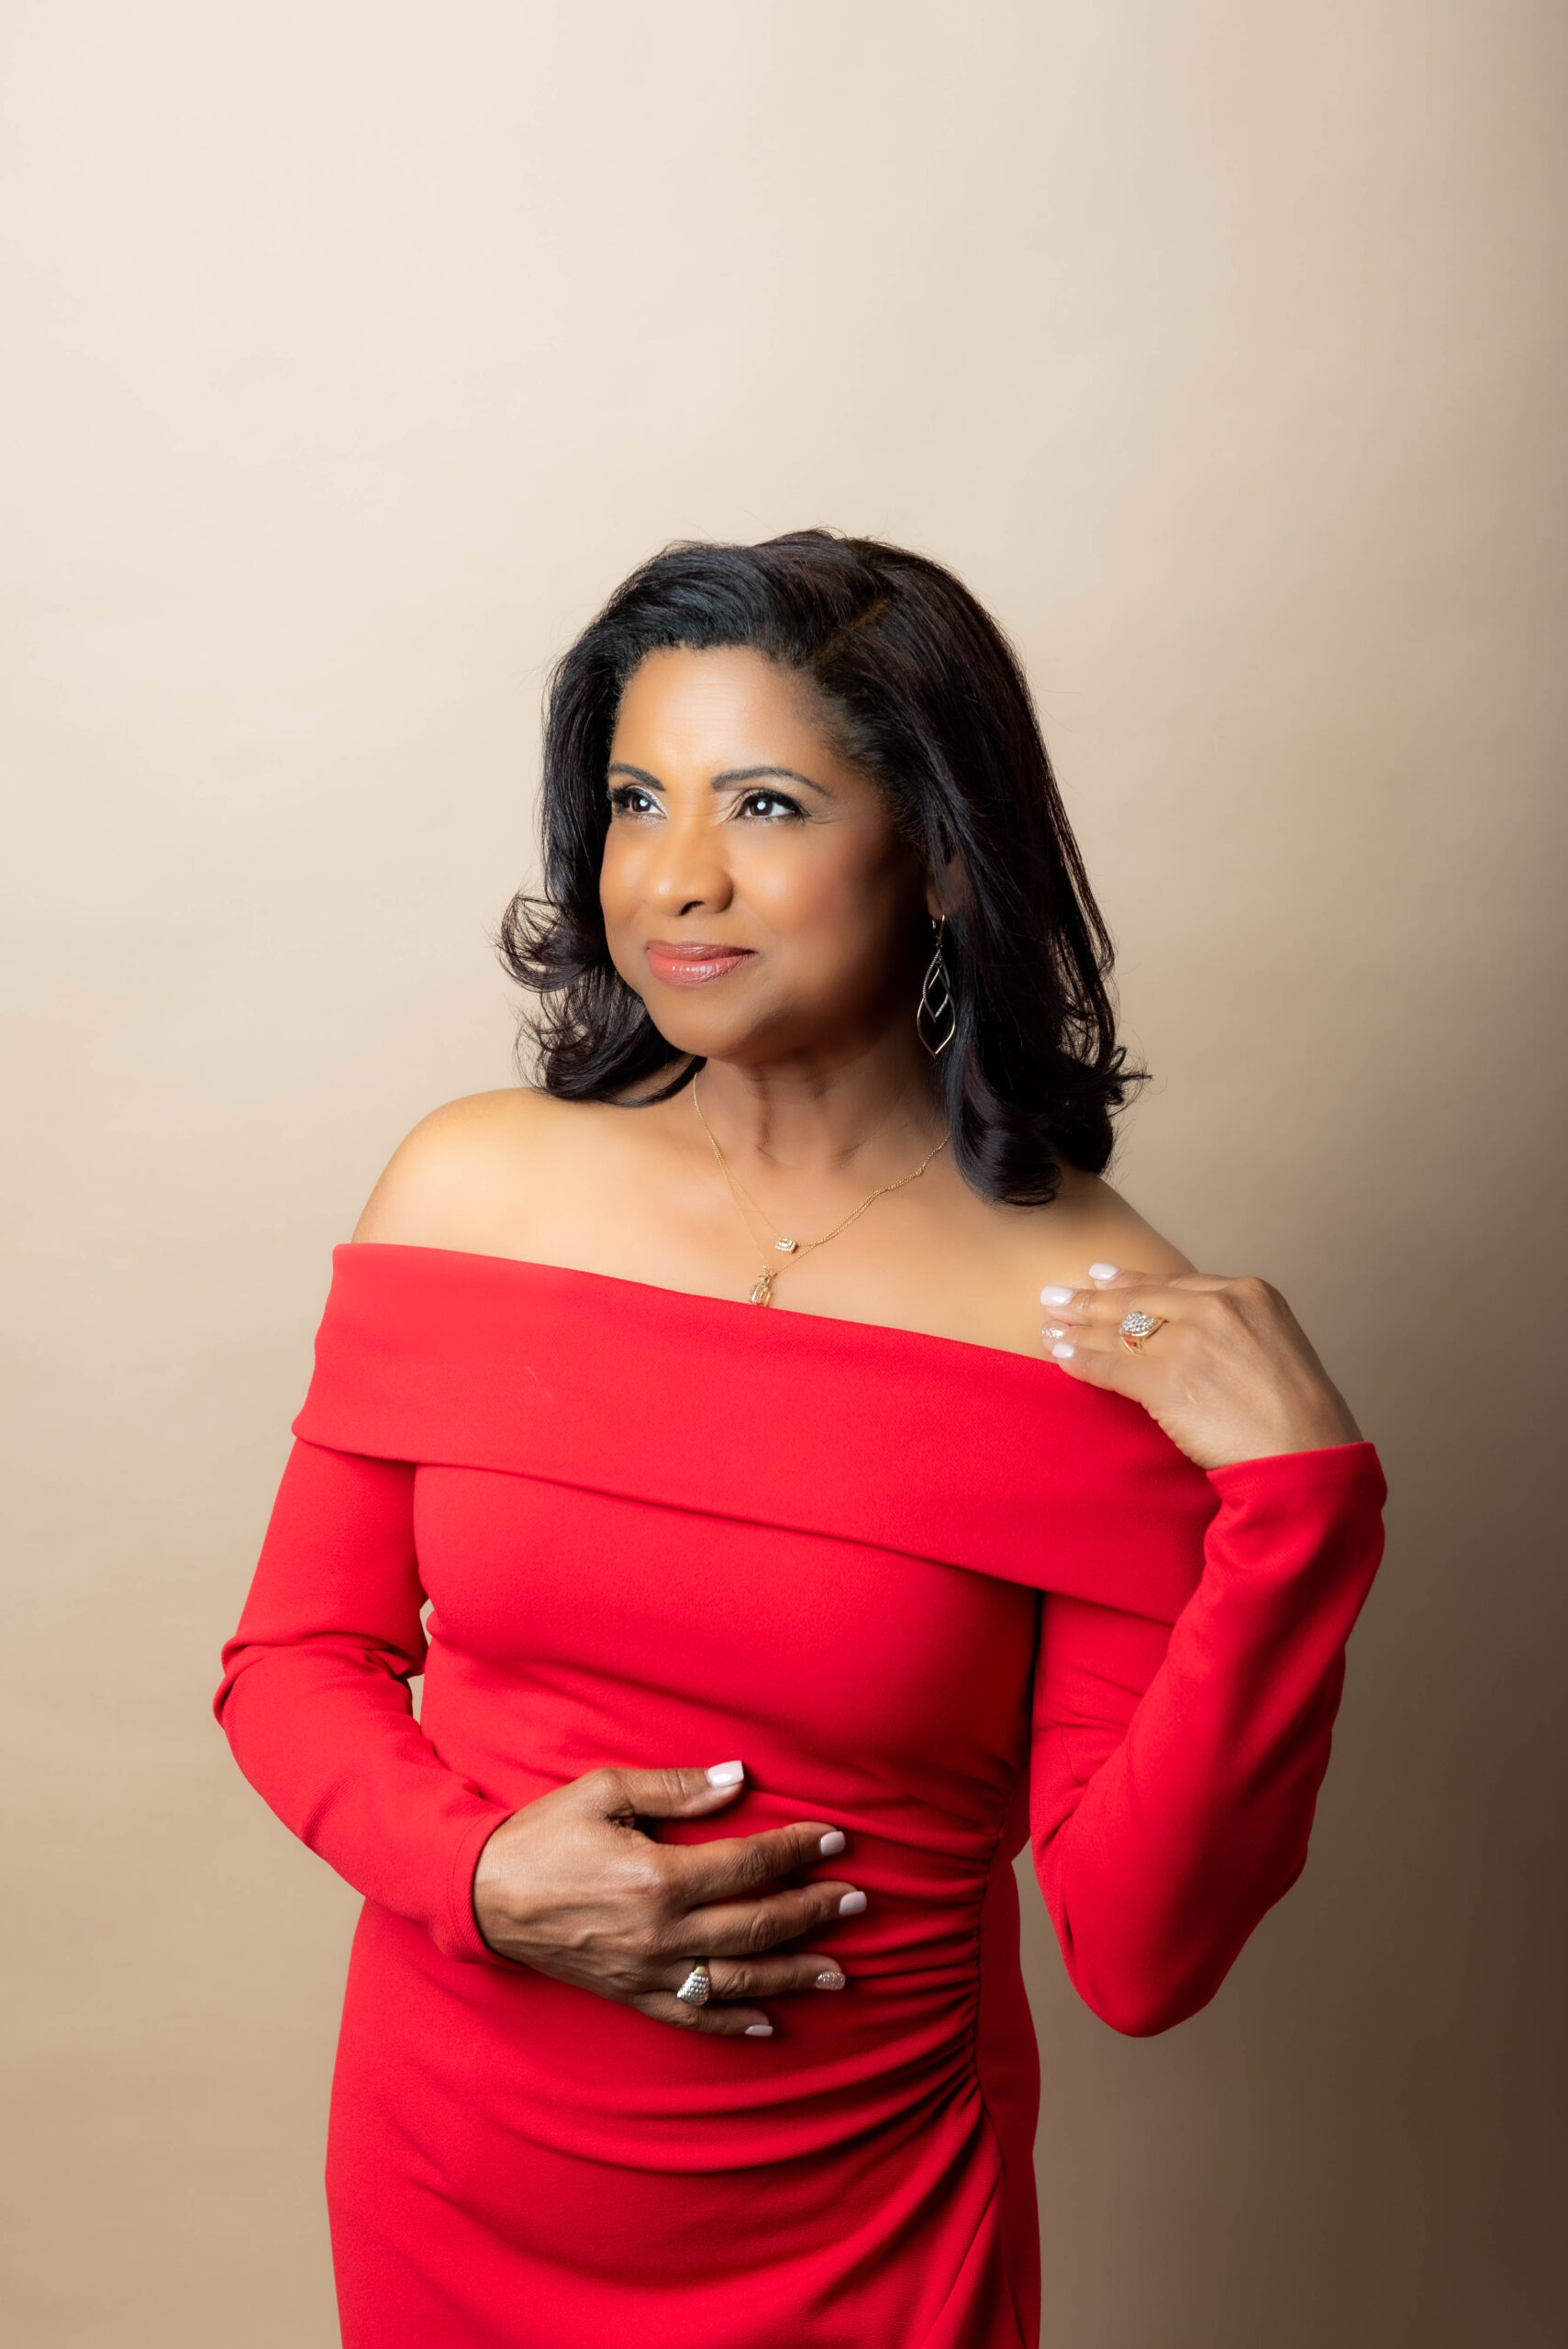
[
  {"x": 697, "y": 1988},
  {"x": 1135, "y": 1327}
]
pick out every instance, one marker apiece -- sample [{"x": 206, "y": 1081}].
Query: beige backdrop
[{"x": 358, "y": 349}]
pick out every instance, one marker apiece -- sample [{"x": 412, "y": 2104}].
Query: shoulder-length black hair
[{"x": 923, "y": 693}]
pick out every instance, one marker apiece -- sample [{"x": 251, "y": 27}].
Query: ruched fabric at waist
[{"x": 584, "y": 2076}]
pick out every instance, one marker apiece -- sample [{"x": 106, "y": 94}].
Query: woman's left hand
[{"x": 1229, "y": 1375}]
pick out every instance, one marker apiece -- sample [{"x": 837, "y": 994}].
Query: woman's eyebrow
[{"x": 620, "y": 766}]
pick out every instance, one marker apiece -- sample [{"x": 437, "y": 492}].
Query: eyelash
[{"x": 624, "y": 795}]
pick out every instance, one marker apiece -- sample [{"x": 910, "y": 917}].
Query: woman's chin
[{"x": 692, "y": 1020}]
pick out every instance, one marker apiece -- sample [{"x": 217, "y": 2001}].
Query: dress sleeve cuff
[
  {"x": 1307, "y": 1524},
  {"x": 462, "y": 1937},
  {"x": 1353, "y": 1468}
]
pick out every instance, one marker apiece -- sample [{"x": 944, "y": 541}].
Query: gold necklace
[{"x": 762, "y": 1291}]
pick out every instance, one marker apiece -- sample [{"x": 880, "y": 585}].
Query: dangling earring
[{"x": 937, "y": 1017}]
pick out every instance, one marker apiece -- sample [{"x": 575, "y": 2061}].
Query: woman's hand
[
  {"x": 1231, "y": 1376},
  {"x": 571, "y": 1886}
]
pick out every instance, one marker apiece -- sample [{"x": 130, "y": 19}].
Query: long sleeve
[
  {"x": 1176, "y": 1768},
  {"x": 316, "y": 1702}
]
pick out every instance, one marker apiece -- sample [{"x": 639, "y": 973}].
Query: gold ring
[
  {"x": 697, "y": 1988},
  {"x": 1135, "y": 1327}
]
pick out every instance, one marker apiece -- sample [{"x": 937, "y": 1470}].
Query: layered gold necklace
[{"x": 761, "y": 1290}]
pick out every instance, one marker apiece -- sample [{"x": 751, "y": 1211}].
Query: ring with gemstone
[
  {"x": 697, "y": 1988},
  {"x": 1134, "y": 1327}
]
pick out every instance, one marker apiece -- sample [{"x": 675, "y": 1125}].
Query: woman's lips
[{"x": 694, "y": 965}]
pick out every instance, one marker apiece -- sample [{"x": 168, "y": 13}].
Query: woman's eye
[
  {"x": 769, "y": 806},
  {"x": 627, "y": 800}
]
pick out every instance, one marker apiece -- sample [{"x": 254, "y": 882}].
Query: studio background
[{"x": 357, "y": 351}]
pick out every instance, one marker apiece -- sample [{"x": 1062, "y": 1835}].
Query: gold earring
[{"x": 936, "y": 1015}]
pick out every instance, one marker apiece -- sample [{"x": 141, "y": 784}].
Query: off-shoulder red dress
[{"x": 941, "y": 1596}]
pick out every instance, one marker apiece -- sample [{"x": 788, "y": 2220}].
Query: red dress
[{"x": 938, "y": 1595}]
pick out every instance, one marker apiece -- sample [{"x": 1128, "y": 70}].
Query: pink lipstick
[{"x": 694, "y": 964}]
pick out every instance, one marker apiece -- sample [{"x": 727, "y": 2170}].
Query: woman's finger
[
  {"x": 1113, "y": 1288},
  {"x": 673, "y": 1793},
  {"x": 1104, "y": 1307},
  {"x": 1103, "y": 1276},
  {"x": 1085, "y": 1355},
  {"x": 739, "y": 1928},
  {"x": 717, "y": 2020},
  {"x": 720, "y": 2015},
  {"x": 761, "y": 1977},
  {"x": 728, "y": 1864},
  {"x": 1061, "y": 1304},
  {"x": 745, "y": 1929}
]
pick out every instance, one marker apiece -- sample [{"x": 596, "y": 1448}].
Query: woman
[{"x": 782, "y": 1585}]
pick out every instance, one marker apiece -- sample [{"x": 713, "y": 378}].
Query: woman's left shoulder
[
  {"x": 1090, "y": 1222},
  {"x": 1024, "y": 1248}
]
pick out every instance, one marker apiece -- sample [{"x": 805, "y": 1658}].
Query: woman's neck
[{"x": 855, "y": 1111}]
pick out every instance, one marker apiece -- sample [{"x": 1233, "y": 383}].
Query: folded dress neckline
[
  {"x": 776, "y": 1315},
  {"x": 969, "y": 1455}
]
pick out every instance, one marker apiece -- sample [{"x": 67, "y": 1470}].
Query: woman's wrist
[
  {"x": 1345, "y": 1459},
  {"x": 1334, "y": 1431}
]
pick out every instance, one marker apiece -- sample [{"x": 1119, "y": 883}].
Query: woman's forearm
[
  {"x": 1167, "y": 1820},
  {"x": 315, "y": 1703}
]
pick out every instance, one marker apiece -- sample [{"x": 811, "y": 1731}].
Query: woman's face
[{"x": 755, "y": 892}]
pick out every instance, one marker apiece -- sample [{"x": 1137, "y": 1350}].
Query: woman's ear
[{"x": 947, "y": 889}]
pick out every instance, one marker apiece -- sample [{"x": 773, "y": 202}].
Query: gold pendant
[{"x": 762, "y": 1287}]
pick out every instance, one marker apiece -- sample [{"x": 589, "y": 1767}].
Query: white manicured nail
[
  {"x": 1054, "y": 1294},
  {"x": 726, "y": 1773},
  {"x": 1064, "y": 1352},
  {"x": 851, "y": 1904},
  {"x": 830, "y": 1981},
  {"x": 1102, "y": 1272},
  {"x": 832, "y": 1844},
  {"x": 759, "y": 2031},
  {"x": 1054, "y": 1330}
]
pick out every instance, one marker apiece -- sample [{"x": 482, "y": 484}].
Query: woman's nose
[{"x": 688, "y": 873}]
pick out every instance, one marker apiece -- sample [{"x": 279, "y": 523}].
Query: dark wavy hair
[{"x": 921, "y": 691}]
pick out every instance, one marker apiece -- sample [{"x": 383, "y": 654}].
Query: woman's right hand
[{"x": 571, "y": 1886}]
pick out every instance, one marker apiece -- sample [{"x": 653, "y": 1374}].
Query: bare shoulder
[
  {"x": 1096, "y": 1225},
  {"x": 1010, "y": 1253},
  {"x": 466, "y": 1172}
]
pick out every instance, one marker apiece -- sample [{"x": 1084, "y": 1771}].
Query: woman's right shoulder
[{"x": 466, "y": 1175}]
